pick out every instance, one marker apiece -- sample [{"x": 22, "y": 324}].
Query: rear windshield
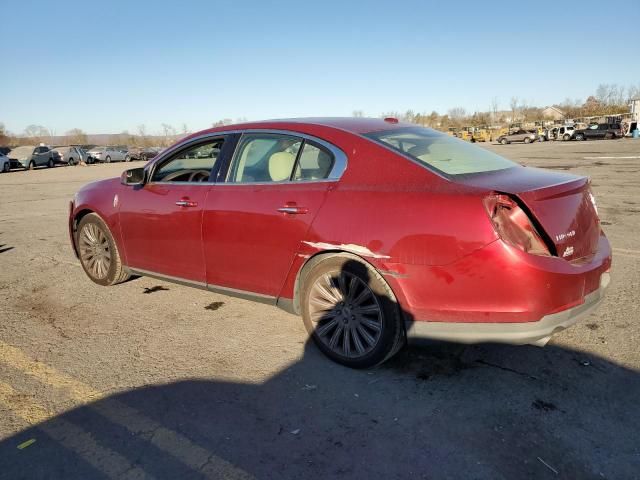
[{"x": 440, "y": 151}]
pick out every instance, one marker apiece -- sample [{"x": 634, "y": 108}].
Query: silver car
[
  {"x": 31, "y": 156},
  {"x": 108, "y": 154},
  {"x": 5, "y": 163},
  {"x": 71, "y": 155}
]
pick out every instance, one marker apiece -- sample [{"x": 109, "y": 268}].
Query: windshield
[{"x": 441, "y": 152}]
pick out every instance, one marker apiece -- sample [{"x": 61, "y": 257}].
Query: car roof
[{"x": 354, "y": 125}]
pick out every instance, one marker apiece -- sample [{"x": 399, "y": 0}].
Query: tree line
[{"x": 608, "y": 99}]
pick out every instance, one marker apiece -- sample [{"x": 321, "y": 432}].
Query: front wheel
[
  {"x": 527, "y": 140},
  {"x": 6, "y": 167},
  {"x": 566, "y": 137},
  {"x": 351, "y": 313},
  {"x": 108, "y": 159},
  {"x": 32, "y": 165},
  {"x": 98, "y": 252},
  {"x": 127, "y": 158},
  {"x": 504, "y": 141},
  {"x": 50, "y": 163},
  {"x": 580, "y": 137}
]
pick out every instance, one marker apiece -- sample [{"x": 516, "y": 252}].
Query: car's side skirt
[{"x": 232, "y": 292}]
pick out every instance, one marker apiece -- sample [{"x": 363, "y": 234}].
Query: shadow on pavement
[{"x": 434, "y": 411}]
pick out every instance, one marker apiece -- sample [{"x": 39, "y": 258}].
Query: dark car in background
[
  {"x": 146, "y": 153},
  {"x": 600, "y": 131}
]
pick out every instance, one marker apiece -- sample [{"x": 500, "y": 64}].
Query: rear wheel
[
  {"x": 351, "y": 313},
  {"x": 50, "y": 163},
  {"x": 527, "y": 140},
  {"x": 108, "y": 159},
  {"x": 504, "y": 141},
  {"x": 580, "y": 137},
  {"x": 566, "y": 137},
  {"x": 127, "y": 158},
  {"x": 32, "y": 165},
  {"x": 6, "y": 167},
  {"x": 98, "y": 252},
  {"x": 71, "y": 162}
]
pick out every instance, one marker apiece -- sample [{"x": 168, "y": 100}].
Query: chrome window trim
[{"x": 340, "y": 161}]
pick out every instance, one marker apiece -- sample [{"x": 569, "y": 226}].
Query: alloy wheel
[
  {"x": 346, "y": 314},
  {"x": 94, "y": 250}
]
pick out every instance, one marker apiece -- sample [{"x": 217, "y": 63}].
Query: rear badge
[
  {"x": 566, "y": 235},
  {"x": 567, "y": 252}
]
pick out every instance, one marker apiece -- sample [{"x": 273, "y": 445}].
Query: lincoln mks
[{"x": 373, "y": 231}]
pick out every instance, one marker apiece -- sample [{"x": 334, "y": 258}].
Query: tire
[
  {"x": 608, "y": 136},
  {"x": 566, "y": 137},
  {"x": 32, "y": 165},
  {"x": 50, "y": 163},
  {"x": 527, "y": 140},
  {"x": 99, "y": 255},
  {"x": 127, "y": 158},
  {"x": 580, "y": 137},
  {"x": 71, "y": 162},
  {"x": 369, "y": 309},
  {"x": 108, "y": 159},
  {"x": 504, "y": 141},
  {"x": 6, "y": 167}
]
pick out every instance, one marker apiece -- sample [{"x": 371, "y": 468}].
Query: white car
[
  {"x": 5, "y": 163},
  {"x": 108, "y": 154},
  {"x": 566, "y": 132},
  {"x": 70, "y": 155}
]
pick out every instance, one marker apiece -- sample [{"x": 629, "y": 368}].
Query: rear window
[{"x": 440, "y": 151}]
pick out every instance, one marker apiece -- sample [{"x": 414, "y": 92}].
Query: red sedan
[{"x": 374, "y": 231}]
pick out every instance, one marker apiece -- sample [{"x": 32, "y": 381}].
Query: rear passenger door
[{"x": 255, "y": 219}]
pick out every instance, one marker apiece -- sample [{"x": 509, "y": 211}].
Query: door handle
[
  {"x": 293, "y": 210},
  {"x": 186, "y": 203}
]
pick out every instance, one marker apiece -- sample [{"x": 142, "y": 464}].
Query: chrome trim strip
[
  {"x": 168, "y": 278},
  {"x": 232, "y": 292},
  {"x": 340, "y": 162}
]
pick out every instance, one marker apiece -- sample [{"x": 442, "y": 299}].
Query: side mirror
[{"x": 134, "y": 176}]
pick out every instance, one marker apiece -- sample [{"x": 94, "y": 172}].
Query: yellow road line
[
  {"x": 173, "y": 443},
  {"x": 70, "y": 436}
]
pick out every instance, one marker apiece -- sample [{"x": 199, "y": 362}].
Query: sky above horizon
[{"x": 106, "y": 68}]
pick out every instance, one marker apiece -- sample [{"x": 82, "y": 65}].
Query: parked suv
[
  {"x": 32, "y": 156},
  {"x": 565, "y": 132},
  {"x": 603, "y": 130},
  {"x": 517, "y": 136},
  {"x": 108, "y": 154}
]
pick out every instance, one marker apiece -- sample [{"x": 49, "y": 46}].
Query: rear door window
[
  {"x": 314, "y": 163},
  {"x": 264, "y": 158}
]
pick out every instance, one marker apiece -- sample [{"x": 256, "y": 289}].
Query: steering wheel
[{"x": 194, "y": 175}]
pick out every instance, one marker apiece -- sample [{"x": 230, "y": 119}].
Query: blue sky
[{"x": 106, "y": 67}]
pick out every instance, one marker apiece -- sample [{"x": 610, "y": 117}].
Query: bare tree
[
  {"x": 143, "y": 138},
  {"x": 457, "y": 115},
  {"x": 494, "y": 109},
  {"x": 514, "y": 108},
  {"x": 76, "y": 136},
  {"x": 36, "y": 133}
]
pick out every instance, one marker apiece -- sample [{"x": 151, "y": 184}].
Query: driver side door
[{"x": 161, "y": 221}]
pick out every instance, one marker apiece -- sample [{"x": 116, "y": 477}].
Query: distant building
[{"x": 554, "y": 113}]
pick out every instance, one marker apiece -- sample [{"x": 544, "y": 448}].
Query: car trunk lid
[{"x": 561, "y": 203}]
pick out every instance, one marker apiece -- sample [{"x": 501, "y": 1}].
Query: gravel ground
[{"x": 155, "y": 380}]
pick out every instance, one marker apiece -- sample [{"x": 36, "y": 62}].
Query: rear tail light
[{"x": 514, "y": 226}]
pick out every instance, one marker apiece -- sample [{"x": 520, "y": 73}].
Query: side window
[
  {"x": 191, "y": 165},
  {"x": 264, "y": 158},
  {"x": 314, "y": 163}
]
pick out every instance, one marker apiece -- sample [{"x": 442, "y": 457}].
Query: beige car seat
[{"x": 281, "y": 165}]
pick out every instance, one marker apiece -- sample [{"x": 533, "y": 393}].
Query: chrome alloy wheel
[
  {"x": 94, "y": 250},
  {"x": 346, "y": 314}
]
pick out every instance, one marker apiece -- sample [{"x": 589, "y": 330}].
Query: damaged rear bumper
[{"x": 534, "y": 333}]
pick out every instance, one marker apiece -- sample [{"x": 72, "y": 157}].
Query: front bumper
[{"x": 534, "y": 333}]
